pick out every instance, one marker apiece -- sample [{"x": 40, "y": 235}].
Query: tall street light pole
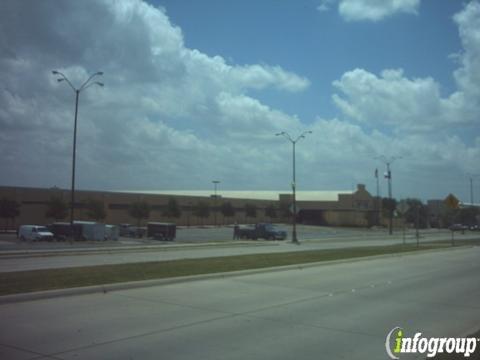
[
  {"x": 215, "y": 183},
  {"x": 294, "y": 200},
  {"x": 77, "y": 92},
  {"x": 472, "y": 200},
  {"x": 377, "y": 200},
  {"x": 388, "y": 161}
]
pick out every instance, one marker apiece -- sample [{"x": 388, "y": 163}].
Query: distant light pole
[
  {"x": 377, "y": 201},
  {"x": 85, "y": 85},
  {"x": 388, "y": 161},
  {"x": 215, "y": 183},
  {"x": 472, "y": 200},
  {"x": 294, "y": 217}
]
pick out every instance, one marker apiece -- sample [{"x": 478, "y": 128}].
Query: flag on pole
[{"x": 376, "y": 173}]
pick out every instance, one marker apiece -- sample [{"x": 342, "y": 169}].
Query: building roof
[{"x": 272, "y": 195}]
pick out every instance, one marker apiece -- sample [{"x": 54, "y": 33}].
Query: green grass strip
[{"x": 49, "y": 279}]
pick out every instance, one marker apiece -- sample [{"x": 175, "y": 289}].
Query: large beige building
[{"x": 335, "y": 208}]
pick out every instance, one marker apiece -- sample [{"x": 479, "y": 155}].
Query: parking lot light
[
  {"x": 294, "y": 201},
  {"x": 388, "y": 161},
  {"x": 85, "y": 85},
  {"x": 215, "y": 183}
]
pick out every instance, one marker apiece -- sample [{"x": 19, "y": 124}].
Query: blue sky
[{"x": 196, "y": 90}]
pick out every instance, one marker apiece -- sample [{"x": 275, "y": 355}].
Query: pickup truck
[{"x": 261, "y": 231}]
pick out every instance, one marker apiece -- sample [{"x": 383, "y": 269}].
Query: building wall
[
  {"x": 34, "y": 203},
  {"x": 346, "y": 218},
  {"x": 351, "y": 209}
]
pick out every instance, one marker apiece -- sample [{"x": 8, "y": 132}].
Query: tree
[
  {"x": 227, "y": 209},
  {"x": 411, "y": 214},
  {"x": 139, "y": 210},
  {"x": 95, "y": 210},
  {"x": 449, "y": 217},
  {"x": 271, "y": 211},
  {"x": 201, "y": 210},
  {"x": 250, "y": 210},
  {"x": 57, "y": 208},
  {"x": 467, "y": 215},
  {"x": 9, "y": 209},
  {"x": 388, "y": 206},
  {"x": 173, "y": 209}
]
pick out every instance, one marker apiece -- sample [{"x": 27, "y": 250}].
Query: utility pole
[
  {"x": 472, "y": 198},
  {"x": 417, "y": 223},
  {"x": 77, "y": 91},
  {"x": 471, "y": 190},
  {"x": 294, "y": 185},
  {"x": 215, "y": 183},
  {"x": 388, "y": 161}
]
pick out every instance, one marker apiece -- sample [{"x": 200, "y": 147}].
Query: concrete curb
[{"x": 106, "y": 288}]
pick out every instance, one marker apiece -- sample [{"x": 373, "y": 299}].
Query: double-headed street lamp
[
  {"x": 294, "y": 217},
  {"x": 388, "y": 161},
  {"x": 84, "y": 86}
]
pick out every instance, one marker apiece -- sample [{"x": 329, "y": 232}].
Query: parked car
[
  {"x": 34, "y": 233},
  {"x": 82, "y": 230},
  {"x": 458, "y": 227},
  {"x": 63, "y": 230},
  {"x": 261, "y": 231},
  {"x": 161, "y": 231}
]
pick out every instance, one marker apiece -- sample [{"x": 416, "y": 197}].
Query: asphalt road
[
  {"x": 35, "y": 256},
  {"x": 340, "y": 311}
]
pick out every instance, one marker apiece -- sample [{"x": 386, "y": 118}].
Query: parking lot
[
  {"x": 203, "y": 234},
  {"x": 224, "y": 235}
]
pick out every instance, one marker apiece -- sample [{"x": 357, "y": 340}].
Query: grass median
[{"x": 49, "y": 279}]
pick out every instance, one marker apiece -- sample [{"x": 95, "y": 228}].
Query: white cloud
[
  {"x": 375, "y": 10},
  {"x": 215, "y": 71},
  {"x": 412, "y": 105},
  {"x": 468, "y": 75},
  {"x": 171, "y": 117},
  {"x": 414, "y": 119},
  {"x": 391, "y": 99},
  {"x": 168, "y": 117},
  {"x": 325, "y": 5}
]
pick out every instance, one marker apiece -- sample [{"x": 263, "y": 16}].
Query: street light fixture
[
  {"x": 388, "y": 161},
  {"x": 85, "y": 85},
  {"x": 294, "y": 217},
  {"x": 215, "y": 183}
]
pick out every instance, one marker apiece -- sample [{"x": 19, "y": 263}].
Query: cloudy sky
[{"x": 196, "y": 90}]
